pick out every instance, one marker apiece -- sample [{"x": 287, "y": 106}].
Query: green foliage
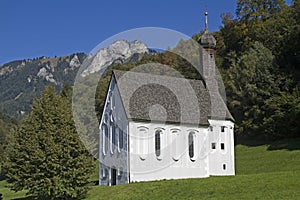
[
  {"x": 7, "y": 124},
  {"x": 48, "y": 158},
  {"x": 259, "y": 56},
  {"x": 256, "y": 96},
  {"x": 258, "y": 9}
]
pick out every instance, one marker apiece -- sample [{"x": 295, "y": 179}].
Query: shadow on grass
[
  {"x": 2, "y": 177},
  {"x": 284, "y": 144},
  {"x": 288, "y": 144}
]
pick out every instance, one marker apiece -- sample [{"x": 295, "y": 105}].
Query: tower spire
[{"x": 206, "y": 22}]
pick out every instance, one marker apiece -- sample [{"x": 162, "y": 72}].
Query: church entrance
[{"x": 113, "y": 176}]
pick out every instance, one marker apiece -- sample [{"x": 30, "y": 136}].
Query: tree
[
  {"x": 259, "y": 96},
  {"x": 48, "y": 157},
  {"x": 6, "y": 124},
  {"x": 258, "y": 9},
  {"x": 249, "y": 82}
]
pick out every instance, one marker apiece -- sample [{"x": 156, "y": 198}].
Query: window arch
[
  {"x": 158, "y": 143},
  {"x": 105, "y": 139}
]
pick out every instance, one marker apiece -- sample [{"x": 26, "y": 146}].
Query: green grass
[
  {"x": 279, "y": 185},
  {"x": 260, "y": 174},
  {"x": 9, "y": 194}
]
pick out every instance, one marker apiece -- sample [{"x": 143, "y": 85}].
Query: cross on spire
[{"x": 206, "y": 22}]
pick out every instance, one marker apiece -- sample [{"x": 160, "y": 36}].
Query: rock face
[
  {"x": 46, "y": 75},
  {"x": 119, "y": 51}
]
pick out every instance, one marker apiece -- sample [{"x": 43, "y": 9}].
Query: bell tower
[{"x": 207, "y": 55}]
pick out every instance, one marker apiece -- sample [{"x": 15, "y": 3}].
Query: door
[{"x": 113, "y": 176}]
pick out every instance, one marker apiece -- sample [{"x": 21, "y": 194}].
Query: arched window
[
  {"x": 113, "y": 102},
  {"x": 176, "y": 147},
  {"x": 120, "y": 140},
  {"x": 158, "y": 143},
  {"x": 113, "y": 137},
  {"x": 105, "y": 138},
  {"x": 106, "y": 118},
  {"x": 143, "y": 142},
  {"x": 191, "y": 140}
]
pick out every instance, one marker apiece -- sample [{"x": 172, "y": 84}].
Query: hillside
[
  {"x": 261, "y": 173},
  {"x": 22, "y": 81}
]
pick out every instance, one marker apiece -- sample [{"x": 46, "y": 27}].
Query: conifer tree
[{"x": 48, "y": 158}]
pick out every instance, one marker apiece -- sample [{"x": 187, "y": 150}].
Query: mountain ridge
[{"x": 23, "y": 80}]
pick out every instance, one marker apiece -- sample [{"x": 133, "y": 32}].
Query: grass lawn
[
  {"x": 260, "y": 174},
  {"x": 9, "y": 194}
]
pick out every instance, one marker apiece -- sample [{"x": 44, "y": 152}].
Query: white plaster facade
[{"x": 128, "y": 149}]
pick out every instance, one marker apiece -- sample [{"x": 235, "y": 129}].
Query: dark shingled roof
[
  {"x": 207, "y": 40},
  {"x": 148, "y": 97}
]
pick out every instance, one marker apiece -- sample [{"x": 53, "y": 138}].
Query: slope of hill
[
  {"x": 261, "y": 173},
  {"x": 21, "y": 81}
]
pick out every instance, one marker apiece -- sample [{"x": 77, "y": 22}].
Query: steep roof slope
[{"x": 149, "y": 97}]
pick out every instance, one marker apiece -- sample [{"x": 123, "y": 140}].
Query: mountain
[{"x": 23, "y": 80}]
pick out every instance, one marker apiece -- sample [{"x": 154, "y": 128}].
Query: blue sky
[{"x": 34, "y": 28}]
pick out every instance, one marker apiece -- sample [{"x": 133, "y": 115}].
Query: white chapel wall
[
  {"x": 113, "y": 151},
  {"x": 174, "y": 161}
]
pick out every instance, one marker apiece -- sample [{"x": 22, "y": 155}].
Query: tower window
[
  {"x": 223, "y": 129},
  {"x": 211, "y": 55},
  {"x": 222, "y": 146},
  {"x": 211, "y": 128},
  {"x": 224, "y": 166},
  {"x": 213, "y": 145}
]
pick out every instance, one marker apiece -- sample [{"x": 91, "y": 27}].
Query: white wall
[
  {"x": 172, "y": 164},
  {"x": 219, "y": 157},
  {"x": 115, "y": 157}
]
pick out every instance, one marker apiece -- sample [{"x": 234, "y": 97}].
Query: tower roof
[{"x": 207, "y": 40}]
